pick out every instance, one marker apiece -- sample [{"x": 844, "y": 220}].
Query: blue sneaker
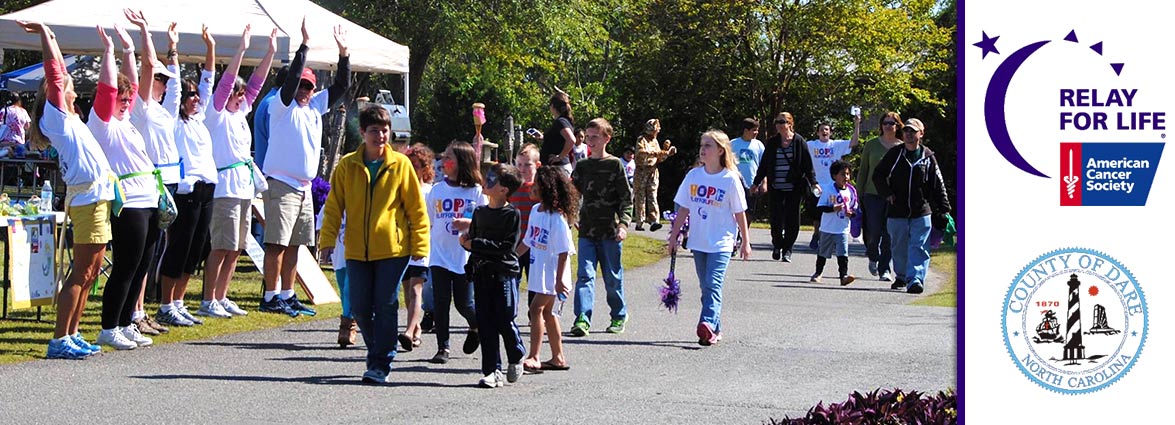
[
  {"x": 81, "y": 343},
  {"x": 64, "y": 348},
  {"x": 298, "y": 307},
  {"x": 276, "y": 305}
]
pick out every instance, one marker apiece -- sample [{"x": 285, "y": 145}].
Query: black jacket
[
  {"x": 917, "y": 187},
  {"x": 801, "y": 174}
]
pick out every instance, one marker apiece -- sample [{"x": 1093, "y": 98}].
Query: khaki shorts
[
  {"x": 289, "y": 215},
  {"x": 230, "y": 223},
  {"x": 91, "y": 223}
]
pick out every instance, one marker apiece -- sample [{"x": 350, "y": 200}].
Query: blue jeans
[
  {"x": 344, "y": 291},
  {"x": 606, "y": 253},
  {"x": 449, "y": 287},
  {"x": 711, "y": 268},
  {"x": 374, "y": 286},
  {"x": 877, "y": 240},
  {"x": 911, "y": 255},
  {"x": 497, "y": 306}
]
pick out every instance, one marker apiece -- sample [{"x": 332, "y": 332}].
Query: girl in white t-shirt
[
  {"x": 548, "y": 237},
  {"x": 416, "y": 275},
  {"x": 450, "y": 207},
  {"x": 711, "y": 197}
]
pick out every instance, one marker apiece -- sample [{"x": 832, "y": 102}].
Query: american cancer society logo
[
  {"x": 1091, "y": 174},
  {"x": 1074, "y": 320}
]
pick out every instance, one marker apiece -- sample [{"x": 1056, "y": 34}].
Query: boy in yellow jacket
[{"x": 387, "y": 223}]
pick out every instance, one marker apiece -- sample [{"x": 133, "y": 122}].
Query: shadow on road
[
  {"x": 671, "y": 344},
  {"x": 268, "y": 345}
]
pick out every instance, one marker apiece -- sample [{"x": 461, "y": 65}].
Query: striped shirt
[
  {"x": 783, "y": 160},
  {"x": 522, "y": 202}
]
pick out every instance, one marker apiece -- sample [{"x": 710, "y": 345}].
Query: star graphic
[
  {"x": 988, "y": 45},
  {"x": 1017, "y": 333},
  {"x": 1133, "y": 333}
]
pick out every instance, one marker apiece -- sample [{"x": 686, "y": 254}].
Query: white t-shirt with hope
[
  {"x": 82, "y": 160},
  {"x": 444, "y": 203},
  {"x": 425, "y": 189},
  {"x": 547, "y": 235},
  {"x": 338, "y": 258},
  {"x": 193, "y": 142},
  {"x": 127, "y": 154},
  {"x": 231, "y": 140},
  {"x": 296, "y": 132},
  {"x": 837, "y": 221},
  {"x": 713, "y": 200},
  {"x": 156, "y": 122},
  {"x": 823, "y": 155}
]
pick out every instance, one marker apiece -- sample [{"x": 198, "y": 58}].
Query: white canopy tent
[{"x": 74, "y": 23}]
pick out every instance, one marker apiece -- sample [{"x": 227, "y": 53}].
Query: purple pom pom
[
  {"x": 671, "y": 293},
  {"x": 319, "y": 187}
]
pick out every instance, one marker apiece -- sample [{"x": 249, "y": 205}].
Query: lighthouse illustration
[{"x": 1074, "y": 349}]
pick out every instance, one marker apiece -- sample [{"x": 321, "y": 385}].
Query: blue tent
[{"x": 29, "y": 78}]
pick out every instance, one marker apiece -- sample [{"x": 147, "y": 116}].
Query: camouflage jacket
[{"x": 607, "y": 199}]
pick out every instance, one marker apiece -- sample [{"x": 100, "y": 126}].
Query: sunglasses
[
  {"x": 161, "y": 78},
  {"x": 306, "y": 86},
  {"x": 187, "y": 93},
  {"x": 889, "y": 123},
  {"x": 778, "y": 122},
  {"x": 491, "y": 180}
]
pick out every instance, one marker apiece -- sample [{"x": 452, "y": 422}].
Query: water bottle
[
  {"x": 46, "y": 197},
  {"x": 559, "y": 306},
  {"x": 855, "y": 111}
]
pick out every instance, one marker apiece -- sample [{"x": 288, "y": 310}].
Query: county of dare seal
[{"x": 1074, "y": 320}]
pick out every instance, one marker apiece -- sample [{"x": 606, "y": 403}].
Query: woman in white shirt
[{"x": 711, "y": 197}]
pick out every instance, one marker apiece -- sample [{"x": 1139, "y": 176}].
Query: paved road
[{"x": 788, "y": 344}]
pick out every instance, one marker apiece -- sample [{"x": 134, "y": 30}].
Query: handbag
[{"x": 166, "y": 205}]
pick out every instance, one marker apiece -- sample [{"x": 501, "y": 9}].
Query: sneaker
[
  {"x": 787, "y": 256},
  {"x": 617, "y": 326},
  {"x": 426, "y": 323},
  {"x": 873, "y": 267},
  {"x": 513, "y": 372},
  {"x": 142, "y": 325},
  {"x": 655, "y": 227},
  {"x": 885, "y": 277},
  {"x": 232, "y": 308},
  {"x": 298, "y": 307},
  {"x": 173, "y": 318},
  {"x": 775, "y": 253},
  {"x": 133, "y": 334},
  {"x": 915, "y": 288},
  {"x": 847, "y": 280},
  {"x": 156, "y": 325},
  {"x": 815, "y": 278},
  {"x": 441, "y": 357},
  {"x": 471, "y": 342},
  {"x": 640, "y": 227},
  {"x": 898, "y": 284},
  {"x": 183, "y": 310},
  {"x": 81, "y": 343},
  {"x": 276, "y": 305},
  {"x": 64, "y": 348},
  {"x": 706, "y": 335},
  {"x": 115, "y": 339},
  {"x": 375, "y": 377},
  {"x": 492, "y": 380},
  {"x": 212, "y": 309},
  {"x": 580, "y": 327}
]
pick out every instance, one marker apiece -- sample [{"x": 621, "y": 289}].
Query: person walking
[
  {"x": 909, "y": 179},
  {"x": 649, "y": 153},
  {"x": 877, "y": 242},
  {"x": 786, "y": 175}
]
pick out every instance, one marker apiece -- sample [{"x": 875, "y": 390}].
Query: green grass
[
  {"x": 25, "y": 338},
  {"x": 943, "y": 262}
]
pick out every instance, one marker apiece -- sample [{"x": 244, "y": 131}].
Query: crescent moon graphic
[
  {"x": 993, "y": 107},
  {"x": 702, "y": 214}
]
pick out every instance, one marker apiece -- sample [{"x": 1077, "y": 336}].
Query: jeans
[
  {"x": 784, "y": 210},
  {"x": 607, "y": 254},
  {"x": 911, "y": 255},
  {"x": 877, "y": 240},
  {"x": 450, "y": 287},
  {"x": 344, "y": 291},
  {"x": 711, "y": 268},
  {"x": 497, "y": 306},
  {"x": 374, "y": 286}
]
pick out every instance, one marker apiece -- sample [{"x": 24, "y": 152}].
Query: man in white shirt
[{"x": 295, "y": 133}]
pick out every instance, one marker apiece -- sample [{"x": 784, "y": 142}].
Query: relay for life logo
[{"x": 1091, "y": 174}]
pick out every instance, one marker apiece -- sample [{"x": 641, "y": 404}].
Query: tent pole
[{"x": 406, "y": 102}]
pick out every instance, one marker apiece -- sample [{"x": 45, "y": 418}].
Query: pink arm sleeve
[
  {"x": 105, "y": 100},
  {"x": 256, "y": 81},
  {"x": 55, "y": 89},
  {"x": 223, "y": 90}
]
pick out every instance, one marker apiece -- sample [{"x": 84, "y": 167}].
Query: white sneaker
[
  {"x": 232, "y": 308},
  {"x": 115, "y": 339},
  {"x": 183, "y": 311},
  {"x": 132, "y": 333},
  {"x": 493, "y": 380},
  {"x": 212, "y": 309}
]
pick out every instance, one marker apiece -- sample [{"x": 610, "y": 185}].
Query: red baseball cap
[{"x": 308, "y": 75}]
